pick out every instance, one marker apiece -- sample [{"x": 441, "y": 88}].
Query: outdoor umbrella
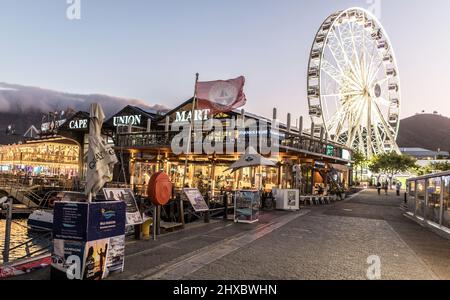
[
  {"x": 251, "y": 159},
  {"x": 101, "y": 156}
]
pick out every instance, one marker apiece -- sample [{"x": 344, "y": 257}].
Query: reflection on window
[
  {"x": 434, "y": 200},
  {"x": 446, "y": 215}
]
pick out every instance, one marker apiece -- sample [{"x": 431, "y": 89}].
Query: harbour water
[{"x": 19, "y": 234}]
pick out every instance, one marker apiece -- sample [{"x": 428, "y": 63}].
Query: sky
[{"x": 151, "y": 50}]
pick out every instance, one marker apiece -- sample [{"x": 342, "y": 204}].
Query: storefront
[
  {"x": 428, "y": 200},
  {"x": 303, "y": 162},
  {"x": 41, "y": 157}
]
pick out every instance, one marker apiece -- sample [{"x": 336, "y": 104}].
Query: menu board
[
  {"x": 196, "y": 199},
  {"x": 133, "y": 215}
]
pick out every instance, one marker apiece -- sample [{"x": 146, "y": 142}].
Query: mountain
[
  {"x": 23, "y": 106},
  {"x": 428, "y": 131}
]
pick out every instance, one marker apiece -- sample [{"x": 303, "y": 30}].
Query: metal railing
[{"x": 290, "y": 141}]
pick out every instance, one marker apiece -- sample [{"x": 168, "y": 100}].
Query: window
[
  {"x": 412, "y": 196},
  {"x": 434, "y": 200},
  {"x": 420, "y": 203},
  {"x": 446, "y": 206}
]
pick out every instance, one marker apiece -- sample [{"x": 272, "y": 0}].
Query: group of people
[{"x": 385, "y": 186}]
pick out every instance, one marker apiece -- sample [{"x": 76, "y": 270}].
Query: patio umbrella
[
  {"x": 251, "y": 158},
  {"x": 101, "y": 156}
]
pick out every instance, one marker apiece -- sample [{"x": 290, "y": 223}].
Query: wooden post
[
  {"x": 8, "y": 231},
  {"x": 149, "y": 125},
  {"x": 289, "y": 123},
  {"x": 300, "y": 127}
]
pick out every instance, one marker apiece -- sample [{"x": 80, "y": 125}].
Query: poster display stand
[
  {"x": 287, "y": 199},
  {"x": 246, "y": 206},
  {"x": 89, "y": 240},
  {"x": 133, "y": 215}
]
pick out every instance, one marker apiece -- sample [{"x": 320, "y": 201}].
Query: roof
[{"x": 423, "y": 152}]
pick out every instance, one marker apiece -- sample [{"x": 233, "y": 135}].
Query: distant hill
[
  {"x": 428, "y": 131},
  {"x": 23, "y": 106}
]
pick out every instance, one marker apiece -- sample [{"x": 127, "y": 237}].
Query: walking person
[
  {"x": 379, "y": 188},
  {"x": 386, "y": 187},
  {"x": 398, "y": 187}
]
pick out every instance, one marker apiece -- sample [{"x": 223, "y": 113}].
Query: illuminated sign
[
  {"x": 51, "y": 126},
  {"x": 79, "y": 124},
  {"x": 127, "y": 120},
  {"x": 199, "y": 115}
]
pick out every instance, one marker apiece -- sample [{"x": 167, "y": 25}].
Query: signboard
[
  {"x": 89, "y": 240},
  {"x": 127, "y": 120},
  {"x": 195, "y": 197},
  {"x": 79, "y": 124},
  {"x": 52, "y": 126},
  {"x": 186, "y": 116},
  {"x": 133, "y": 215},
  {"x": 330, "y": 150},
  {"x": 346, "y": 154}
]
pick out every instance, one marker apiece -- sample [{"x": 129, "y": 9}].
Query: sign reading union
[{"x": 128, "y": 120}]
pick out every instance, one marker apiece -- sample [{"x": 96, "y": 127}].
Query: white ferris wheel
[{"x": 354, "y": 83}]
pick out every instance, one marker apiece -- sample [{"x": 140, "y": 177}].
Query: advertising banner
[
  {"x": 89, "y": 240},
  {"x": 133, "y": 215},
  {"x": 195, "y": 197}
]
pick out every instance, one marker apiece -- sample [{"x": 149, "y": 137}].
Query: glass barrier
[
  {"x": 446, "y": 206},
  {"x": 420, "y": 203},
  {"x": 434, "y": 200},
  {"x": 412, "y": 196}
]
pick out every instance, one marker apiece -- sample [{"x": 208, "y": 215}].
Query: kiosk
[{"x": 246, "y": 206}]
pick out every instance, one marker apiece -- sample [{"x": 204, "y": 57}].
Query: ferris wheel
[{"x": 354, "y": 84}]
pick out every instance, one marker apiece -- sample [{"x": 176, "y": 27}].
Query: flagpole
[
  {"x": 191, "y": 127},
  {"x": 188, "y": 147}
]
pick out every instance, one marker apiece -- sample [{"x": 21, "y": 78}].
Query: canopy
[
  {"x": 101, "y": 156},
  {"x": 251, "y": 158}
]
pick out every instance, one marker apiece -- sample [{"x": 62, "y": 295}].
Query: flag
[
  {"x": 221, "y": 95},
  {"x": 101, "y": 156}
]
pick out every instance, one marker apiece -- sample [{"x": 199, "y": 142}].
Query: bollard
[
  {"x": 225, "y": 205},
  {"x": 145, "y": 228}
]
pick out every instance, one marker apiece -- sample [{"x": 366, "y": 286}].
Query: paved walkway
[
  {"x": 331, "y": 242},
  {"x": 326, "y": 242}
]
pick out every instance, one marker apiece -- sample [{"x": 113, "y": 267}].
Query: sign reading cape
[{"x": 221, "y": 95}]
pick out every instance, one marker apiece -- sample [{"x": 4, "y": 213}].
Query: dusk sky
[{"x": 151, "y": 50}]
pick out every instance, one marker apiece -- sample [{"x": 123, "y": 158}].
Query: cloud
[{"x": 23, "y": 99}]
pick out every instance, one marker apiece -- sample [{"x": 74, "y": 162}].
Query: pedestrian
[
  {"x": 379, "y": 188},
  {"x": 386, "y": 187},
  {"x": 398, "y": 187}
]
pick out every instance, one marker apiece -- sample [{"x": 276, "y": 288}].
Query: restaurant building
[
  {"x": 303, "y": 161},
  {"x": 143, "y": 144}
]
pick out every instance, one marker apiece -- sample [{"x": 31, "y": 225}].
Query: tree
[
  {"x": 391, "y": 164},
  {"x": 434, "y": 167},
  {"x": 360, "y": 161}
]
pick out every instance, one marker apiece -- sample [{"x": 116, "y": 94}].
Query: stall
[{"x": 246, "y": 206}]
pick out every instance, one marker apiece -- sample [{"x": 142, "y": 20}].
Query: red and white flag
[{"x": 221, "y": 95}]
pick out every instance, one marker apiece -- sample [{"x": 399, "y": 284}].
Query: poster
[
  {"x": 94, "y": 261},
  {"x": 115, "y": 261},
  {"x": 133, "y": 215},
  {"x": 106, "y": 219},
  {"x": 70, "y": 221},
  {"x": 196, "y": 199}
]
